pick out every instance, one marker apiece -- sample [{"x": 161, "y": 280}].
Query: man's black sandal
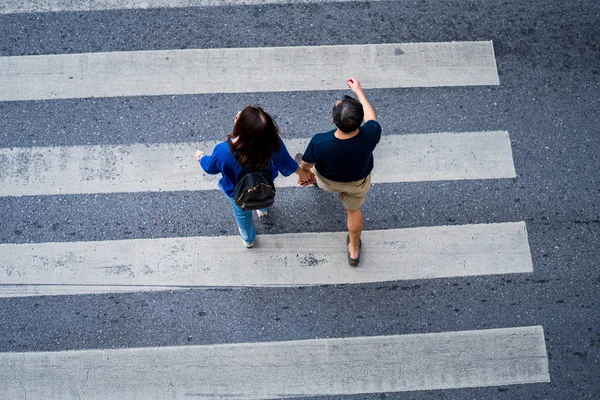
[{"x": 353, "y": 261}]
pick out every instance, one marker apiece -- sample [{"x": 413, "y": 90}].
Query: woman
[{"x": 257, "y": 146}]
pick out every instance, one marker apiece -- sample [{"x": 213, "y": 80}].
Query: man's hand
[
  {"x": 354, "y": 85},
  {"x": 199, "y": 155}
]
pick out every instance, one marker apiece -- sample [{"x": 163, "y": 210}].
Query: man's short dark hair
[{"x": 348, "y": 114}]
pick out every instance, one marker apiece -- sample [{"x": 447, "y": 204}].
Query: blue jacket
[{"x": 222, "y": 161}]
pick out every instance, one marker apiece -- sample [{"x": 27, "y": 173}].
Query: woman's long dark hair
[{"x": 257, "y": 138}]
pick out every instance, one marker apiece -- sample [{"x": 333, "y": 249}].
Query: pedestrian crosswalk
[
  {"x": 269, "y": 69},
  {"x": 151, "y": 264},
  {"x": 34, "y": 171},
  {"x": 316, "y": 367},
  {"x": 291, "y": 369}
]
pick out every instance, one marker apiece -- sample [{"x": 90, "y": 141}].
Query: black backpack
[{"x": 255, "y": 189}]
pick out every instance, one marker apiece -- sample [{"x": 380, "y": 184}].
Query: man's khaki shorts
[{"x": 351, "y": 194}]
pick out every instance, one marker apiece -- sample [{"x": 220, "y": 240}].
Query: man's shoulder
[
  {"x": 323, "y": 137},
  {"x": 371, "y": 126},
  {"x": 371, "y": 131}
]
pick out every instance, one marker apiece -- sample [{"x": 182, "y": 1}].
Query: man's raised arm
[{"x": 354, "y": 85}]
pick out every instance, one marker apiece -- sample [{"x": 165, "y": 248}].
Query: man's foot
[
  {"x": 261, "y": 213},
  {"x": 353, "y": 261},
  {"x": 248, "y": 245}
]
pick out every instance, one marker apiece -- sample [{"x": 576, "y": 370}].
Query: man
[{"x": 342, "y": 159}]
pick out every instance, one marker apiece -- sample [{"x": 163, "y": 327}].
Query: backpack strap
[{"x": 233, "y": 152}]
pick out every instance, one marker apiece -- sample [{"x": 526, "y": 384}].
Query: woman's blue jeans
[{"x": 244, "y": 221}]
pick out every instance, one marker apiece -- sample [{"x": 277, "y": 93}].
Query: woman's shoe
[{"x": 261, "y": 213}]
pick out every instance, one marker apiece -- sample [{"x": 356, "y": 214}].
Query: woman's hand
[{"x": 199, "y": 155}]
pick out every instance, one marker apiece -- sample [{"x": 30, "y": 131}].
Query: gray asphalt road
[{"x": 548, "y": 57}]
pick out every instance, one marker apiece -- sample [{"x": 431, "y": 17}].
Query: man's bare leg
[{"x": 355, "y": 227}]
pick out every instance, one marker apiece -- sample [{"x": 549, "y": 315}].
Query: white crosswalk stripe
[
  {"x": 268, "y": 370},
  {"x": 34, "y": 171},
  {"x": 28, "y": 6},
  {"x": 270, "y": 69},
  {"x": 388, "y": 255},
  {"x": 274, "y": 370}
]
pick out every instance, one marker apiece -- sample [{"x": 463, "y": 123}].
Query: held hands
[{"x": 306, "y": 177}]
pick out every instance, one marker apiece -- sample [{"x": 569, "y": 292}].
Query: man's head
[{"x": 348, "y": 114}]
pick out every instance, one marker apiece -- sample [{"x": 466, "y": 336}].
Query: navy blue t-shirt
[{"x": 344, "y": 160}]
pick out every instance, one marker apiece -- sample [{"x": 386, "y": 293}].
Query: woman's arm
[
  {"x": 208, "y": 163},
  {"x": 287, "y": 166}
]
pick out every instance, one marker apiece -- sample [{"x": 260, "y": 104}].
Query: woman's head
[{"x": 257, "y": 137}]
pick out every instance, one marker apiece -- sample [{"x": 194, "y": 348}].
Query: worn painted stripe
[
  {"x": 24, "y": 290},
  {"x": 28, "y": 6},
  {"x": 263, "y": 69},
  {"x": 172, "y": 167},
  {"x": 273, "y": 370},
  {"x": 276, "y": 260}
]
